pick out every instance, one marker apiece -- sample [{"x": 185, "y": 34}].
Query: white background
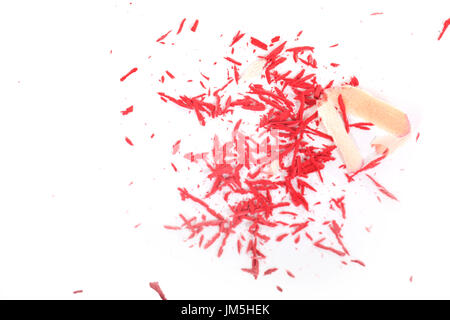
[{"x": 68, "y": 213}]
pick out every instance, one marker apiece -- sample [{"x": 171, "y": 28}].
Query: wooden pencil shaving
[
  {"x": 388, "y": 143},
  {"x": 367, "y": 107},
  {"x": 363, "y": 105},
  {"x": 335, "y": 127},
  {"x": 254, "y": 70}
]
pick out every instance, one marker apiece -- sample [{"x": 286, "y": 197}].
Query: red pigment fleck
[
  {"x": 376, "y": 13},
  {"x": 194, "y": 26},
  {"x": 446, "y": 24},
  {"x": 77, "y": 291},
  {"x": 279, "y": 289},
  {"x": 163, "y": 36},
  {"x": 127, "y": 111},
  {"x": 233, "y": 61},
  {"x": 236, "y": 38},
  {"x": 382, "y": 189},
  {"x": 334, "y": 45},
  {"x": 176, "y": 147},
  {"x": 354, "y": 81},
  {"x": 181, "y": 26},
  {"x": 343, "y": 112},
  {"x": 258, "y": 43},
  {"x": 358, "y": 262},
  {"x": 339, "y": 203},
  {"x": 174, "y": 168},
  {"x": 290, "y": 274},
  {"x": 334, "y": 65},
  {"x": 281, "y": 237},
  {"x": 155, "y": 286},
  {"x": 270, "y": 271},
  {"x": 319, "y": 244},
  {"x": 170, "y": 75},
  {"x": 372, "y": 164},
  {"x": 411, "y": 279},
  {"x": 128, "y": 74},
  {"x": 129, "y": 141},
  {"x": 137, "y": 226},
  {"x": 417, "y": 137}
]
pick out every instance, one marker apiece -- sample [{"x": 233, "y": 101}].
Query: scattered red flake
[
  {"x": 176, "y": 147},
  {"x": 343, "y": 112},
  {"x": 270, "y": 271},
  {"x": 172, "y": 228},
  {"x": 194, "y": 26},
  {"x": 155, "y": 286},
  {"x": 236, "y": 38},
  {"x": 174, "y": 168},
  {"x": 370, "y": 165},
  {"x": 354, "y": 82},
  {"x": 382, "y": 189},
  {"x": 170, "y": 75},
  {"x": 129, "y": 141},
  {"x": 181, "y": 26},
  {"x": 77, "y": 291},
  {"x": 128, "y": 74},
  {"x": 281, "y": 237},
  {"x": 163, "y": 36},
  {"x": 233, "y": 61},
  {"x": 362, "y": 125},
  {"x": 137, "y": 226},
  {"x": 127, "y": 111},
  {"x": 334, "y": 45},
  {"x": 258, "y": 43},
  {"x": 334, "y": 65},
  {"x": 358, "y": 262},
  {"x": 411, "y": 279},
  {"x": 446, "y": 24},
  {"x": 417, "y": 137},
  {"x": 275, "y": 39},
  {"x": 236, "y": 74},
  {"x": 339, "y": 203},
  {"x": 290, "y": 274},
  {"x": 279, "y": 289},
  {"x": 319, "y": 244},
  {"x": 376, "y": 13}
]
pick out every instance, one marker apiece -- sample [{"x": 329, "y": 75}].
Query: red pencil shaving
[
  {"x": 194, "y": 26},
  {"x": 266, "y": 180},
  {"x": 128, "y": 74},
  {"x": 258, "y": 43},
  {"x": 444, "y": 28},
  {"x": 160, "y": 39},
  {"x": 129, "y": 141},
  {"x": 127, "y": 111},
  {"x": 382, "y": 189},
  {"x": 180, "y": 28},
  {"x": 155, "y": 286}
]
